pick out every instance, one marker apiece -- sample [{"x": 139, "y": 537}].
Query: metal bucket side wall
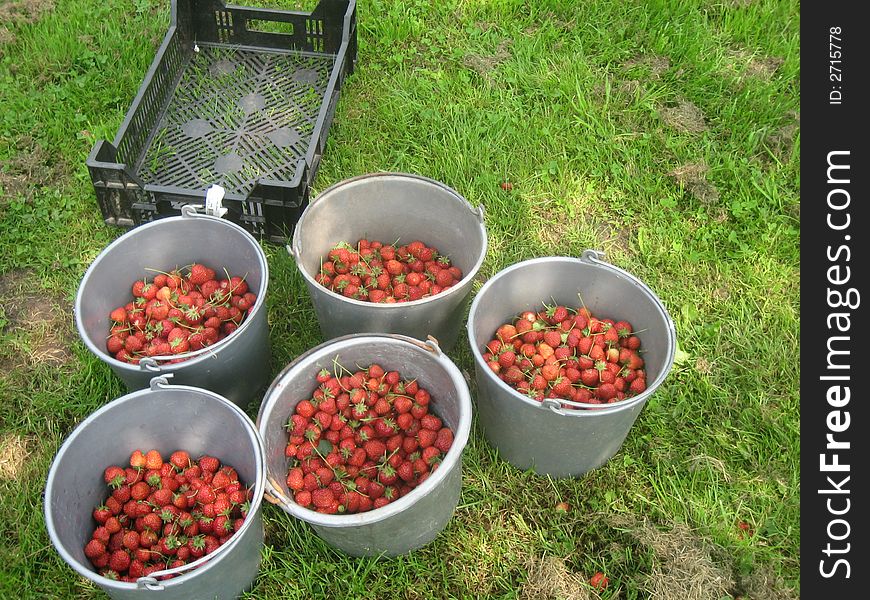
[
  {"x": 199, "y": 424},
  {"x": 442, "y": 319},
  {"x": 238, "y": 371},
  {"x": 400, "y": 535},
  {"x": 414, "y": 519},
  {"x": 244, "y": 364},
  {"x": 388, "y": 207},
  {"x": 607, "y": 292},
  {"x": 563, "y": 446}
]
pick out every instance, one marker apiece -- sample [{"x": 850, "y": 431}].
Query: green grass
[{"x": 665, "y": 133}]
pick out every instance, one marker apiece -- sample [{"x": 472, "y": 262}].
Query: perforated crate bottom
[{"x": 236, "y": 116}]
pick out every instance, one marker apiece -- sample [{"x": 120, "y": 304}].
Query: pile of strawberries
[
  {"x": 377, "y": 272},
  {"x": 568, "y": 354},
  {"x": 175, "y": 313},
  {"x": 162, "y": 515},
  {"x": 363, "y": 440}
]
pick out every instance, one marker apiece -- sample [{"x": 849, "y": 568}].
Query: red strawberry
[
  {"x": 322, "y": 497},
  {"x": 295, "y": 479},
  {"x": 552, "y": 338},
  {"x": 427, "y": 437},
  {"x": 209, "y": 464},
  {"x": 180, "y": 459},
  {"x": 375, "y": 449},
  {"x": 199, "y": 274},
  {"x": 589, "y": 377},
  {"x": 405, "y": 471},
  {"x": 119, "y": 561},
  {"x": 638, "y": 385},
  {"x": 94, "y": 548},
  {"x": 115, "y": 476},
  {"x": 101, "y": 514},
  {"x": 430, "y": 421},
  {"x": 598, "y": 581},
  {"x": 606, "y": 391},
  {"x": 444, "y": 439}
]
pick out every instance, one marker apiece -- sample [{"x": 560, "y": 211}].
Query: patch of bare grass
[
  {"x": 684, "y": 567},
  {"x": 20, "y": 12},
  {"x": 13, "y": 455},
  {"x": 657, "y": 65},
  {"x": 39, "y": 321},
  {"x": 684, "y": 117},
  {"x": 693, "y": 178},
  {"x": 551, "y": 579},
  {"x": 484, "y": 64},
  {"x": 30, "y": 168}
]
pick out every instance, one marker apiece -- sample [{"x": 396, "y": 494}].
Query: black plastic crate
[{"x": 237, "y": 96}]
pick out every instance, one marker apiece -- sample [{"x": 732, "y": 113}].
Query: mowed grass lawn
[{"x": 665, "y": 133}]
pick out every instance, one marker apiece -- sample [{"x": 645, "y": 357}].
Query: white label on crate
[{"x": 214, "y": 196}]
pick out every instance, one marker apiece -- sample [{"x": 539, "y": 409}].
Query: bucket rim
[
  {"x": 136, "y": 396},
  {"x": 589, "y": 257},
  {"x": 451, "y": 460},
  {"x": 295, "y": 251},
  {"x": 197, "y": 356}
]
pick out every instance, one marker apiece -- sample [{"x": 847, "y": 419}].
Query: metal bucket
[
  {"x": 387, "y": 207},
  {"x": 237, "y": 367},
  {"x": 202, "y": 422},
  {"x": 414, "y": 519},
  {"x": 543, "y": 436}
]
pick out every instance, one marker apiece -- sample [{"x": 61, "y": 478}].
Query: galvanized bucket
[
  {"x": 413, "y": 520},
  {"x": 202, "y": 423},
  {"x": 237, "y": 367},
  {"x": 389, "y": 207},
  {"x": 543, "y": 436}
]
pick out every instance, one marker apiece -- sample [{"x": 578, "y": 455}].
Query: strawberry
[
  {"x": 180, "y": 459},
  {"x": 119, "y": 561},
  {"x": 295, "y": 479},
  {"x": 427, "y": 437},
  {"x": 444, "y": 439},
  {"x": 637, "y": 386},
  {"x": 606, "y": 391},
  {"x": 94, "y": 548},
  {"x": 599, "y": 581},
  {"x": 507, "y": 358},
  {"x": 153, "y": 460},
  {"x": 374, "y": 449},
  {"x": 199, "y": 274},
  {"x": 552, "y": 338},
  {"x": 405, "y": 471},
  {"x": 322, "y": 497},
  {"x": 114, "y": 476},
  {"x": 209, "y": 464}
]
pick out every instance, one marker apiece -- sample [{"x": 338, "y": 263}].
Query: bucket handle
[
  {"x": 430, "y": 345},
  {"x": 556, "y": 405},
  {"x": 149, "y": 363},
  {"x": 273, "y": 493},
  {"x": 160, "y": 381},
  {"x": 590, "y": 255},
  {"x": 151, "y": 583},
  {"x": 478, "y": 212},
  {"x": 294, "y": 249}
]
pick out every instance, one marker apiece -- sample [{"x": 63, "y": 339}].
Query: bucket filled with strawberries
[
  {"x": 567, "y": 351},
  {"x": 140, "y": 503},
  {"x": 364, "y": 437},
  {"x": 390, "y": 253},
  {"x": 184, "y": 296}
]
